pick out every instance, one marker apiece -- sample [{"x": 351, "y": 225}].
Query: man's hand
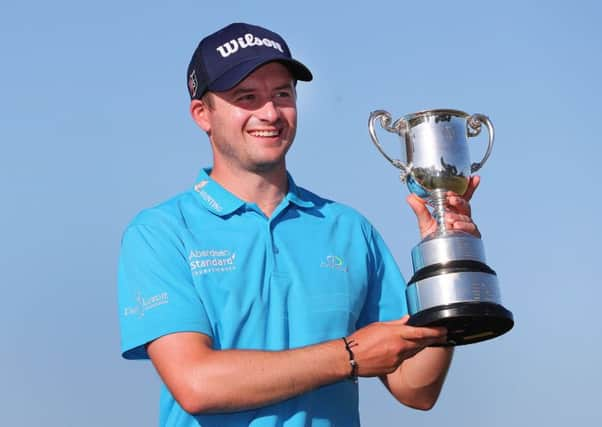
[
  {"x": 458, "y": 214},
  {"x": 381, "y": 347}
]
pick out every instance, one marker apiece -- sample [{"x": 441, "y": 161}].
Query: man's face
[{"x": 252, "y": 126}]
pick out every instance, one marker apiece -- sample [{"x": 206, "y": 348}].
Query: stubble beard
[{"x": 232, "y": 157}]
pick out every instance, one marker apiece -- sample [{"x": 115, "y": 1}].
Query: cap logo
[
  {"x": 192, "y": 83},
  {"x": 248, "y": 40}
]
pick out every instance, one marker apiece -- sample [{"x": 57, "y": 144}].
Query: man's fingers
[
  {"x": 467, "y": 227},
  {"x": 412, "y": 333},
  {"x": 459, "y": 204},
  {"x": 452, "y": 217},
  {"x": 418, "y": 333},
  {"x": 462, "y": 223},
  {"x": 473, "y": 183}
]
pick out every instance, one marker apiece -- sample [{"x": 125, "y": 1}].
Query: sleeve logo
[{"x": 145, "y": 304}]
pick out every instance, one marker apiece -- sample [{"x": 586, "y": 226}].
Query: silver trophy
[{"x": 452, "y": 285}]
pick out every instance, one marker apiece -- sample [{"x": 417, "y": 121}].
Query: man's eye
[
  {"x": 248, "y": 97},
  {"x": 283, "y": 94}
]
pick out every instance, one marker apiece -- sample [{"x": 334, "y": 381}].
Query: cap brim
[{"x": 238, "y": 73}]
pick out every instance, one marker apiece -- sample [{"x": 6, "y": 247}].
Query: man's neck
[{"x": 265, "y": 189}]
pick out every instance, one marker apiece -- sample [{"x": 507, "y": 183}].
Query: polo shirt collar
[
  {"x": 214, "y": 197},
  {"x": 295, "y": 196},
  {"x": 221, "y": 202}
]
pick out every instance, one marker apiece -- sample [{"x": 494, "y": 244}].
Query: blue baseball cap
[{"x": 223, "y": 59}]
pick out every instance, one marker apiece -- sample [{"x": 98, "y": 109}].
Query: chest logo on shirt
[
  {"x": 205, "y": 261},
  {"x": 334, "y": 262}
]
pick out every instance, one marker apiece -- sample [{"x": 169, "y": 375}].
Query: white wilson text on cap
[{"x": 249, "y": 39}]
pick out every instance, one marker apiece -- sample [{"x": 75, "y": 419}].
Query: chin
[{"x": 268, "y": 166}]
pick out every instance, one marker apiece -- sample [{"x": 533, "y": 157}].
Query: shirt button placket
[{"x": 273, "y": 249}]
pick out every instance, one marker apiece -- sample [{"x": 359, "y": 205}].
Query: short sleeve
[
  {"x": 385, "y": 299},
  {"x": 155, "y": 289}
]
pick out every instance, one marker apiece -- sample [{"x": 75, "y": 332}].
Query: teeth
[{"x": 265, "y": 133}]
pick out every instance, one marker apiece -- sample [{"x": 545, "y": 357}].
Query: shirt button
[{"x": 276, "y": 250}]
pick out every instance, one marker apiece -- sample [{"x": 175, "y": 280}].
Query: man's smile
[{"x": 265, "y": 133}]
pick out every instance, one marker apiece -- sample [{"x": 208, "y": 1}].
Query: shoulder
[
  {"x": 171, "y": 214},
  {"x": 337, "y": 211},
  {"x": 161, "y": 230}
]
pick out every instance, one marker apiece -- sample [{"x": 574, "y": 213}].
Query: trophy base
[{"x": 466, "y": 322}]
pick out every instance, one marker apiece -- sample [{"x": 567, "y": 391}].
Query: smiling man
[{"x": 259, "y": 302}]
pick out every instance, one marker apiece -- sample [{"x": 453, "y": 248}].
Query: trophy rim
[{"x": 436, "y": 111}]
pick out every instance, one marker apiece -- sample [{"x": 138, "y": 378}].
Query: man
[{"x": 258, "y": 302}]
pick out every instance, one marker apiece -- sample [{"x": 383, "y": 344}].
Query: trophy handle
[
  {"x": 397, "y": 127},
  {"x": 474, "y": 128}
]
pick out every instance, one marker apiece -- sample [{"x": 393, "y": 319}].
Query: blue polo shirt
[{"x": 208, "y": 262}]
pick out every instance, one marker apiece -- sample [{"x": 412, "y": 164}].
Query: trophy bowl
[{"x": 452, "y": 285}]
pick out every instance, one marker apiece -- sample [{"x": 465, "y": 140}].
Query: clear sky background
[{"x": 94, "y": 126}]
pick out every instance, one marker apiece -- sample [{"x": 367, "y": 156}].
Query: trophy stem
[{"x": 437, "y": 202}]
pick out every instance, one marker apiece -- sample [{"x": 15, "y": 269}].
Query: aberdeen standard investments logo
[{"x": 211, "y": 261}]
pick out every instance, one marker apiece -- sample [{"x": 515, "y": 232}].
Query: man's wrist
[{"x": 349, "y": 344}]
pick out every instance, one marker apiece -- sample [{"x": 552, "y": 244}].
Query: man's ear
[{"x": 200, "y": 114}]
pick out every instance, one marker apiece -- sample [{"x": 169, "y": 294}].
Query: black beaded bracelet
[{"x": 352, "y": 362}]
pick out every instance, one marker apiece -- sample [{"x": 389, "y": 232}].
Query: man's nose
[{"x": 269, "y": 111}]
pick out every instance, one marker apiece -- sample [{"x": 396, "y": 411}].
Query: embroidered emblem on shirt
[
  {"x": 145, "y": 304},
  {"x": 334, "y": 262},
  {"x": 199, "y": 188},
  {"x": 211, "y": 261}
]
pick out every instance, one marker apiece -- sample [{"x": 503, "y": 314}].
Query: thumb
[{"x": 420, "y": 210}]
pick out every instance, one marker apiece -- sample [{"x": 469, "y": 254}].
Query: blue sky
[{"x": 94, "y": 127}]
